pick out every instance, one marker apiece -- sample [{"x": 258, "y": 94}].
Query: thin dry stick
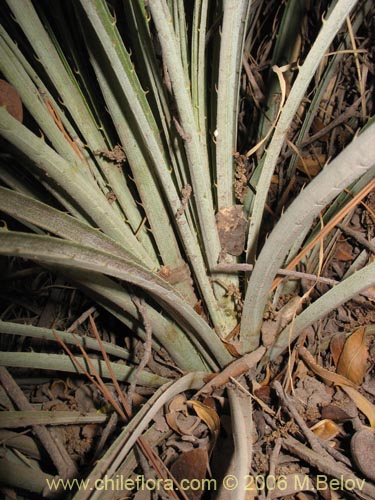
[
  {"x": 142, "y": 443},
  {"x": 357, "y": 236},
  {"x": 234, "y": 369},
  {"x": 273, "y": 462},
  {"x": 81, "y": 319},
  {"x": 99, "y": 384},
  {"x": 303, "y": 298},
  {"x": 339, "y": 457},
  {"x": 289, "y": 406},
  {"x": 343, "y": 118},
  {"x": 140, "y": 305},
  {"x": 228, "y": 268},
  {"x": 329, "y": 467},
  {"x": 108, "y": 429},
  {"x": 358, "y": 67},
  {"x": 64, "y": 465},
  {"x": 328, "y": 227},
  {"x": 104, "y": 389},
  {"x": 113, "y": 377}
]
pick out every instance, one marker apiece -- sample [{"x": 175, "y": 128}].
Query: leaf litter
[{"x": 324, "y": 406}]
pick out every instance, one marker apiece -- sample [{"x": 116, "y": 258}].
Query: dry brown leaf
[
  {"x": 208, "y": 415},
  {"x": 311, "y": 165},
  {"x": 178, "y": 404},
  {"x": 10, "y": 98},
  {"x": 362, "y": 403},
  {"x": 231, "y": 224},
  {"x": 317, "y": 126},
  {"x": 191, "y": 465},
  {"x": 181, "y": 424},
  {"x": 233, "y": 348},
  {"x": 336, "y": 346},
  {"x": 343, "y": 251},
  {"x": 210, "y": 402},
  {"x": 178, "y": 418},
  {"x": 234, "y": 369},
  {"x": 326, "y": 429},
  {"x": 264, "y": 393},
  {"x": 326, "y": 375},
  {"x": 335, "y": 413},
  {"x": 353, "y": 359}
]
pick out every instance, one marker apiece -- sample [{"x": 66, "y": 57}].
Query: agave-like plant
[{"x": 124, "y": 176}]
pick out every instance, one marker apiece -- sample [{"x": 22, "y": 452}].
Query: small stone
[{"x": 362, "y": 446}]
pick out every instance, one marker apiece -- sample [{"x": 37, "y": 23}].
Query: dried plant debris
[
  {"x": 311, "y": 422},
  {"x": 186, "y": 193},
  {"x": 241, "y": 177},
  {"x": 10, "y": 98},
  {"x": 176, "y": 275},
  {"x": 116, "y": 155},
  {"x": 353, "y": 359},
  {"x": 231, "y": 224}
]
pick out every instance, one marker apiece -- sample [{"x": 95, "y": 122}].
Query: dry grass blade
[
  {"x": 113, "y": 377},
  {"x": 279, "y": 72},
  {"x": 148, "y": 452},
  {"x": 328, "y": 227},
  {"x": 358, "y": 67},
  {"x": 361, "y": 402},
  {"x": 100, "y": 385},
  {"x": 63, "y": 463},
  {"x": 157, "y": 464},
  {"x": 140, "y": 304}
]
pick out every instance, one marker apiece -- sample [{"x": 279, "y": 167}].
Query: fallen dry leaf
[
  {"x": 353, "y": 360},
  {"x": 317, "y": 126},
  {"x": 234, "y": 369},
  {"x": 336, "y": 346},
  {"x": 326, "y": 375},
  {"x": 208, "y": 415},
  {"x": 362, "y": 403},
  {"x": 10, "y": 98},
  {"x": 231, "y": 224},
  {"x": 191, "y": 465},
  {"x": 311, "y": 165},
  {"x": 335, "y": 413},
  {"x": 178, "y": 404},
  {"x": 326, "y": 429},
  {"x": 343, "y": 251},
  {"x": 178, "y": 418}
]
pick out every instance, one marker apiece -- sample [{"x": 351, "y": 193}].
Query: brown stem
[{"x": 64, "y": 465}]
